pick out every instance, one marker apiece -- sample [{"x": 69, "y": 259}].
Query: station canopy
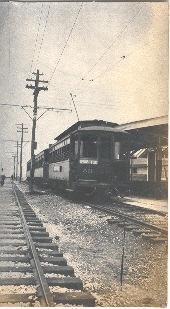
[{"x": 146, "y": 133}]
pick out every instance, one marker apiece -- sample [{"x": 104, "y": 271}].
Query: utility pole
[
  {"x": 21, "y": 129},
  {"x": 14, "y": 164},
  {"x": 17, "y": 162},
  {"x": 36, "y": 89}
]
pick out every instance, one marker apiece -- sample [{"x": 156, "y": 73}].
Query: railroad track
[
  {"x": 150, "y": 224},
  {"x": 32, "y": 269}
]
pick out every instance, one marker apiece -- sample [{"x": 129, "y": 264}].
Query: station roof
[
  {"x": 151, "y": 122},
  {"x": 151, "y": 132}
]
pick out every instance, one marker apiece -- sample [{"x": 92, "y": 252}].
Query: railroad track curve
[{"x": 150, "y": 224}]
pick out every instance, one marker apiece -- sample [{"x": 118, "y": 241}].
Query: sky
[{"x": 112, "y": 57}]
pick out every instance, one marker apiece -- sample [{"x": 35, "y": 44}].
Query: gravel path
[{"x": 94, "y": 249}]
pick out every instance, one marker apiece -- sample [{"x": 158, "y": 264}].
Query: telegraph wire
[
  {"x": 62, "y": 52},
  {"x": 49, "y": 108},
  {"x": 7, "y": 104},
  {"x": 36, "y": 39},
  {"x": 43, "y": 36},
  {"x": 110, "y": 46}
]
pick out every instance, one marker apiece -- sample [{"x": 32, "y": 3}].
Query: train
[
  {"x": 86, "y": 157},
  {"x": 96, "y": 156}
]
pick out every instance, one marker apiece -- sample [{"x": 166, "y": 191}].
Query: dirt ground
[{"x": 94, "y": 249}]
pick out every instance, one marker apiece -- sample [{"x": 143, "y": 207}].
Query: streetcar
[{"x": 86, "y": 157}]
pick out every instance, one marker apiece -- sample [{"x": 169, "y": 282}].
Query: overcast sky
[{"x": 114, "y": 62}]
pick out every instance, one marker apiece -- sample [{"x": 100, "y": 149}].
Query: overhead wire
[
  {"x": 64, "y": 47},
  {"x": 113, "y": 42},
  {"x": 122, "y": 58},
  {"x": 106, "y": 70},
  {"x": 98, "y": 106},
  {"x": 7, "y": 104},
  {"x": 36, "y": 39},
  {"x": 103, "y": 54},
  {"x": 38, "y": 56}
]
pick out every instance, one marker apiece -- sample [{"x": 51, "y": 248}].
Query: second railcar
[{"x": 41, "y": 167}]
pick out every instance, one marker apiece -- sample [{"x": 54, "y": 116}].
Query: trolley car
[{"x": 85, "y": 157}]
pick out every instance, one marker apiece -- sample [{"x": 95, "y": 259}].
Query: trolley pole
[
  {"x": 36, "y": 89},
  {"x": 74, "y": 106}
]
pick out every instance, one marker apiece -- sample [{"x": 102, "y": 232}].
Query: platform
[{"x": 158, "y": 205}]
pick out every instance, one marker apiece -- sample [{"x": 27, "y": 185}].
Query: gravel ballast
[{"x": 94, "y": 249}]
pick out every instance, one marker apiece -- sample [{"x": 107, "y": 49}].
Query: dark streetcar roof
[
  {"x": 43, "y": 152},
  {"x": 86, "y": 123}
]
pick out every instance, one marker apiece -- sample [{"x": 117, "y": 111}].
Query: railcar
[
  {"x": 40, "y": 167},
  {"x": 85, "y": 157}
]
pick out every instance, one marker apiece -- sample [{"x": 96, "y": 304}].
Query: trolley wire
[
  {"x": 100, "y": 58},
  {"x": 36, "y": 39},
  {"x": 110, "y": 67},
  {"x": 64, "y": 47},
  {"x": 38, "y": 56},
  {"x": 111, "y": 45},
  {"x": 107, "y": 69}
]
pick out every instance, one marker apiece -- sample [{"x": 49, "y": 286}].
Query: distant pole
[
  {"x": 33, "y": 146},
  {"x": 36, "y": 89},
  {"x": 22, "y": 131},
  {"x": 17, "y": 162},
  {"x": 22, "y": 128},
  {"x": 14, "y": 165}
]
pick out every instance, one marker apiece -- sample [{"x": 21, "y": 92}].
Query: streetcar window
[
  {"x": 88, "y": 147},
  {"x": 117, "y": 150},
  {"x": 76, "y": 148},
  {"x": 105, "y": 152}
]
